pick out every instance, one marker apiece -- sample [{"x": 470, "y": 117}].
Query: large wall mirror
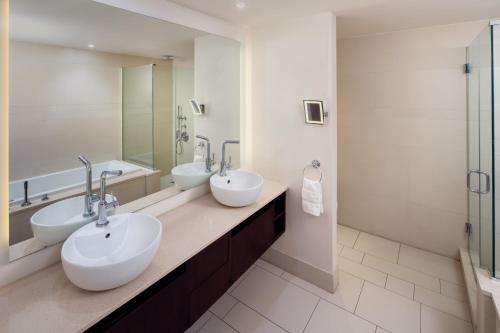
[{"x": 95, "y": 88}]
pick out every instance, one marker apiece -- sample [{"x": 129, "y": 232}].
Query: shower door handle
[{"x": 479, "y": 173}]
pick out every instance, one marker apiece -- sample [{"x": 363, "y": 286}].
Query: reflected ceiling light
[
  {"x": 240, "y": 5},
  {"x": 91, "y": 46}
]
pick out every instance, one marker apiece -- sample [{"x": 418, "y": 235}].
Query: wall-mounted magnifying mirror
[
  {"x": 198, "y": 109},
  {"x": 314, "y": 112}
]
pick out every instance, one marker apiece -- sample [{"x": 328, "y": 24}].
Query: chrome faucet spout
[
  {"x": 223, "y": 164},
  {"x": 102, "y": 221},
  {"x": 89, "y": 197}
]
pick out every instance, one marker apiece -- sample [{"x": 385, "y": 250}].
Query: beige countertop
[{"x": 48, "y": 302}]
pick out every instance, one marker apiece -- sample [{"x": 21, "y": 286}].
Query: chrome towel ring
[{"x": 317, "y": 166}]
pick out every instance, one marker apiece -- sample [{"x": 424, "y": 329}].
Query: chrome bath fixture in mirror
[{"x": 93, "y": 93}]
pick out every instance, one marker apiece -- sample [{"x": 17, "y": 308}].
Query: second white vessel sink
[
  {"x": 101, "y": 258},
  {"x": 238, "y": 189},
  {"x": 54, "y": 223},
  {"x": 189, "y": 175}
]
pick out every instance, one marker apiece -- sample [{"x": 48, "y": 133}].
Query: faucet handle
[
  {"x": 94, "y": 197},
  {"x": 111, "y": 204},
  {"x": 229, "y": 166}
]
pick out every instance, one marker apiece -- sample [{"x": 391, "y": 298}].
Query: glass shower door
[{"x": 480, "y": 152}]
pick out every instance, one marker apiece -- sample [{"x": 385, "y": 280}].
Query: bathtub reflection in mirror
[{"x": 118, "y": 94}]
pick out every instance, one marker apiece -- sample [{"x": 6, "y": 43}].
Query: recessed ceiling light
[
  {"x": 240, "y": 5},
  {"x": 91, "y": 46}
]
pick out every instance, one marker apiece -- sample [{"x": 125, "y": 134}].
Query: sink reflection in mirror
[
  {"x": 123, "y": 104},
  {"x": 100, "y": 258},
  {"x": 54, "y": 223},
  {"x": 190, "y": 175}
]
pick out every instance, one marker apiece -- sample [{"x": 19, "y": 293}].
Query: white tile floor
[{"x": 384, "y": 287}]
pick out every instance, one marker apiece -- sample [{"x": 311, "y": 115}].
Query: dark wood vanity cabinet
[{"x": 176, "y": 301}]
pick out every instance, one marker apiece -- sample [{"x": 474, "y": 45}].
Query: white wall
[
  {"x": 217, "y": 85},
  {"x": 403, "y": 135},
  {"x": 292, "y": 61},
  {"x": 72, "y": 98}
]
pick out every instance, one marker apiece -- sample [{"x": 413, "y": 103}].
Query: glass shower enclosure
[
  {"x": 483, "y": 80},
  {"x": 147, "y": 116}
]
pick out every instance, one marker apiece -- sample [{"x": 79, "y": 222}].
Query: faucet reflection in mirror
[
  {"x": 90, "y": 197},
  {"x": 103, "y": 204}
]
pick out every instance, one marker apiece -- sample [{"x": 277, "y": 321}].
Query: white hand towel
[{"x": 312, "y": 197}]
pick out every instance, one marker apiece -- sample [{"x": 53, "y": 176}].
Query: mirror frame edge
[{"x": 4, "y": 130}]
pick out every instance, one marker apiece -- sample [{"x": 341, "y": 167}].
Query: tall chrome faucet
[
  {"x": 90, "y": 197},
  {"x": 223, "y": 164},
  {"x": 102, "y": 221},
  {"x": 208, "y": 159}
]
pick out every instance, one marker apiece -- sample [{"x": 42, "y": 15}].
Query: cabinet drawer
[
  {"x": 162, "y": 307},
  {"x": 208, "y": 293},
  {"x": 251, "y": 240},
  {"x": 208, "y": 261}
]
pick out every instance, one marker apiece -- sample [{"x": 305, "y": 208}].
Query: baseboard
[{"x": 323, "y": 279}]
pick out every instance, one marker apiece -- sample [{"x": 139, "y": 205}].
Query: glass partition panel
[{"x": 137, "y": 117}]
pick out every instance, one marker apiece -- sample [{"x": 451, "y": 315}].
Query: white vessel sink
[
  {"x": 104, "y": 258},
  {"x": 54, "y": 223},
  {"x": 189, "y": 175},
  {"x": 239, "y": 188}
]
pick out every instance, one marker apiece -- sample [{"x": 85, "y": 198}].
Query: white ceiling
[
  {"x": 355, "y": 17},
  {"x": 77, "y": 23}
]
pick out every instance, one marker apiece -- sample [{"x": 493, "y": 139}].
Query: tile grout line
[
  {"x": 410, "y": 282},
  {"x": 395, "y": 293},
  {"x": 231, "y": 309},
  {"x": 225, "y": 322},
  {"x": 205, "y": 323},
  {"x": 399, "y": 252},
  {"x": 269, "y": 271},
  {"x": 337, "y": 305},
  {"x": 381, "y": 271},
  {"x": 312, "y": 313},
  {"x": 357, "y": 237},
  {"x": 420, "y": 318},
  {"x": 446, "y": 313},
  {"x": 313, "y": 294},
  {"x": 243, "y": 278},
  {"x": 264, "y": 316},
  {"x": 359, "y": 297}
]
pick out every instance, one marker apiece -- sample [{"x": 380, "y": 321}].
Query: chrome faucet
[
  {"x": 208, "y": 161},
  {"x": 223, "y": 164},
  {"x": 102, "y": 221},
  {"x": 90, "y": 198}
]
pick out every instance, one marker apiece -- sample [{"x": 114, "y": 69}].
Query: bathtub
[{"x": 63, "y": 180}]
